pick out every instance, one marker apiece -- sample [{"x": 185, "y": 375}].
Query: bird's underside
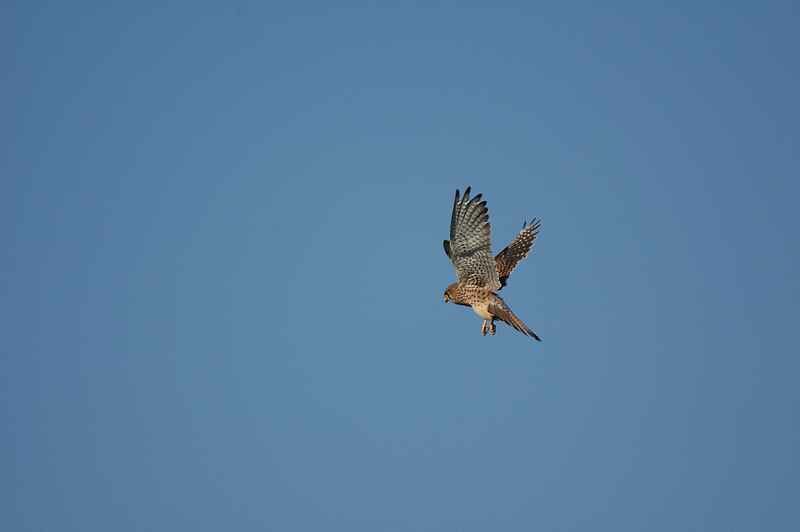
[
  {"x": 480, "y": 275},
  {"x": 489, "y": 306}
]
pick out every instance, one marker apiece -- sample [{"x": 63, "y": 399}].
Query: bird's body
[
  {"x": 481, "y": 308},
  {"x": 480, "y": 275}
]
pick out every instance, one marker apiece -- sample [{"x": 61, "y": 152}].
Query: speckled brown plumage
[
  {"x": 479, "y": 274},
  {"x": 518, "y": 249}
]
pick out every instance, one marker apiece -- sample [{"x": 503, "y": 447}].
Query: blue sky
[{"x": 222, "y": 269}]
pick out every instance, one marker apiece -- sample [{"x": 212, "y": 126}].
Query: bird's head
[{"x": 449, "y": 293}]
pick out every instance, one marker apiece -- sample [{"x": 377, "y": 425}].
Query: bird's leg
[
  {"x": 492, "y": 327},
  {"x": 484, "y": 327}
]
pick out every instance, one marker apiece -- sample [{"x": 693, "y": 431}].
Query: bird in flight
[{"x": 480, "y": 275}]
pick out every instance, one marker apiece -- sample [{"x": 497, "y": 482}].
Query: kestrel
[{"x": 480, "y": 275}]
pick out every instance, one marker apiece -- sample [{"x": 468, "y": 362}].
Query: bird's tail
[{"x": 503, "y": 312}]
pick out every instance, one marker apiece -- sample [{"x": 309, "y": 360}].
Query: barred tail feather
[{"x": 503, "y": 312}]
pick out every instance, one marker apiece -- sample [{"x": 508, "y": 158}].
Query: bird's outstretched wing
[
  {"x": 469, "y": 247},
  {"x": 518, "y": 249},
  {"x": 500, "y": 310}
]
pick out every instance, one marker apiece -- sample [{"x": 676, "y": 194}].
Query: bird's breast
[{"x": 482, "y": 310}]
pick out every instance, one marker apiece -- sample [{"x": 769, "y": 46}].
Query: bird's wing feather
[
  {"x": 470, "y": 242},
  {"x": 518, "y": 249}
]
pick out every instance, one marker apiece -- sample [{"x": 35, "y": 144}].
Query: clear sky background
[{"x": 222, "y": 269}]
